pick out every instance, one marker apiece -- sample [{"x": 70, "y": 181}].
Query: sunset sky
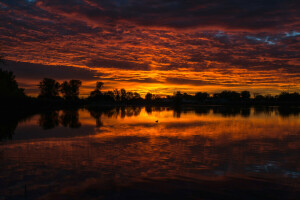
[{"x": 157, "y": 46}]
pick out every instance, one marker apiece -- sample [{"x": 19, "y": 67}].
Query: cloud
[
  {"x": 112, "y": 63},
  {"x": 39, "y": 71},
  {"x": 149, "y": 43},
  {"x": 187, "y": 81},
  {"x": 229, "y": 15}
]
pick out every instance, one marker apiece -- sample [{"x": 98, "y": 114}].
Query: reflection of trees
[
  {"x": 70, "y": 118},
  {"x": 115, "y": 112},
  {"x": 97, "y": 115},
  {"x": 49, "y": 120},
  {"x": 7, "y": 130},
  {"x": 227, "y": 111},
  {"x": 231, "y": 111},
  {"x": 9, "y": 123},
  {"x": 123, "y": 112},
  {"x": 148, "y": 109},
  {"x": 287, "y": 111},
  {"x": 202, "y": 110},
  {"x": 264, "y": 110},
  {"x": 245, "y": 112},
  {"x": 177, "y": 112}
]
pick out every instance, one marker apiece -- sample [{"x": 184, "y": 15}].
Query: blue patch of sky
[
  {"x": 292, "y": 34},
  {"x": 219, "y": 34},
  {"x": 265, "y": 40},
  {"x": 278, "y": 37}
]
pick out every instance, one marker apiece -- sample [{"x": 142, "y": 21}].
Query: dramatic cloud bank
[{"x": 155, "y": 45}]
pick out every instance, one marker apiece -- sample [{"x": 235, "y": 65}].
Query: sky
[{"x": 158, "y": 46}]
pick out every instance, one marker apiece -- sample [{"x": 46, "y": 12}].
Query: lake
[{"x": 152, "y": 153}]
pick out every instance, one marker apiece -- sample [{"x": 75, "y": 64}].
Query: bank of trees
[
  {"x": 114, "y": 96},
  {"x": 9, "y": 87},
  {"x": 50, "y": 89}
]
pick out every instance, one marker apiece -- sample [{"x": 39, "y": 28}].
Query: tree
[
  {"x": 70, "y": 89},
  {"x": 289, "y": 97},
  {"x": 148, "y": 96},
  {"x": 8, "y": 86},
  {"x": 136, "y": 95},
  {"x": 123, "y": 95},
  {"x": 201, "y": 96},
  {"x": 178, "y": 97},
  {"x": 117, "y": 95},
  {"x": 228, "y": 95},
  {"x": 129, "y": 96},
  {"x": 97, "y": 92},
  {"x": 258, "y": 97},
  {"x": 245, "y": 95},
  {"x": 99, "y": 85},
  {"x": 49, "y": 88}
]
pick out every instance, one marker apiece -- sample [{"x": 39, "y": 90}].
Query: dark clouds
[
  {"x": 230, "y": 14},
  {"x": 112, "y": 63},
  {"x": 39, "y": 71},
  {"x": 183, "y": 43}
]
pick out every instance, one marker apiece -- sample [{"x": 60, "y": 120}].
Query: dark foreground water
[{"x": 202, "y": 153}]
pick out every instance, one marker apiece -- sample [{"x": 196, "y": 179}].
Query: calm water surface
[{"x": 203, "y": 153}]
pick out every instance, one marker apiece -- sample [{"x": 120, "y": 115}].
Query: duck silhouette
[{"x": 156, "y": 121}]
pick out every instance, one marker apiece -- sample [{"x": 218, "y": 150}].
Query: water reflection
[
  {"x": 70, "y": 118},
  {"x": 49, "y": 120},
  {"x": 9, "y": 123},
  {"x": 67, "y": 118},
  {"x": 122, "y": 153}
]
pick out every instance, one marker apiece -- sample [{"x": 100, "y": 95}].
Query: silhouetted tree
[
  {"x": 289, "y": 97},
  {"x": 97, "y": 92},
  {"x": 129, "y": 96},
  {"x": 245, "y": 95},
  {"x": 123, "y": 95},
  {"x": 148, "y": 97},
  {"x": 70, "y": 89},
  {"x": 49, "y": 88},
  {"x": 178, "y": 97},
  {"x": 201, "y": 96},
  {"x": 8, "y": 86},
  {"x": 229, "y": 96},
  {"x": 136, "y": 95},
  {"x": 109, "y": 96},
  {"x": 258, "y": 97},
  {"x": 99, "y": 85},
  {"x": 117, "y": 95}
]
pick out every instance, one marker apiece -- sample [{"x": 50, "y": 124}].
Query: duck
[{"x": 156, "y": 121}]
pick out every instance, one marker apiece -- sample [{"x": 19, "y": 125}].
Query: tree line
[{"x": 50, "y": 89}]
